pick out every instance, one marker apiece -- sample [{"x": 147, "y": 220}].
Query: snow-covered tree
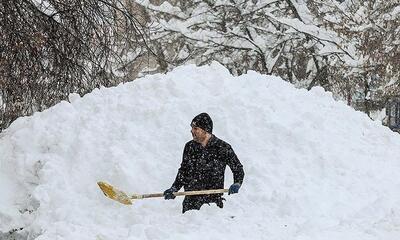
[
  {"x": 371, "y": 30},
  {"x": 267, "y": 36},
  {"x": 348, "y": 47}
]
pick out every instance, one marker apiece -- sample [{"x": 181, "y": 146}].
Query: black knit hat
[{"x": 203, "y": 121}]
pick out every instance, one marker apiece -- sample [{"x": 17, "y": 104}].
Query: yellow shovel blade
[{"x": 114, "y": 194}]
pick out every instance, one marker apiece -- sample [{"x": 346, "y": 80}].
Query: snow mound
[{"x": 315, "y": 168}]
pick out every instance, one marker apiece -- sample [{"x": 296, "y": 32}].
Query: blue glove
[
  {"x": 169, "y": 193},
  {"x": 234, "y": 188}
]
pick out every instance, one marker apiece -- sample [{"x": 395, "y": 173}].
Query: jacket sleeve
[
  {"x": 181, "y": 177},
  {"x": 235, "y": 165}
]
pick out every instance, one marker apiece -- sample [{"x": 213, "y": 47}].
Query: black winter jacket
[{"x": 203, "y": 168}]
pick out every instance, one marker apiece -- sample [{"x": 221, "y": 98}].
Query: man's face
[{"x": 198, "y": 134}]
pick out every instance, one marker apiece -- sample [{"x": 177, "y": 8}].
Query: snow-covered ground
[{"x": 315, "y": 168}]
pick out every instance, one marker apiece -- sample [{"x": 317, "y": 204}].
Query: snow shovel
[{"x": 119, "y": 196}]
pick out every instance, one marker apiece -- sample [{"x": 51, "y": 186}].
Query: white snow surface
[{"x": 315, "y": 168}]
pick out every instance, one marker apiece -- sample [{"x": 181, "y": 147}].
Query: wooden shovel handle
[{"x": 187, "y": 193}]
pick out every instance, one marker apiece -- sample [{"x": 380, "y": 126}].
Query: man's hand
[
  {"x": 169, "y": 193},
  {"x": 234, "y": 188}
]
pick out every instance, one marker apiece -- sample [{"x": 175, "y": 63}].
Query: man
[{"x": 203, "y": 166}]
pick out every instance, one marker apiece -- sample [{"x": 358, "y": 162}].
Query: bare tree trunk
[{"x": 50, "y": 49}]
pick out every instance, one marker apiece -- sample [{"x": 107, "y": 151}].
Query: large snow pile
[{"x": 315, "y": 168}]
